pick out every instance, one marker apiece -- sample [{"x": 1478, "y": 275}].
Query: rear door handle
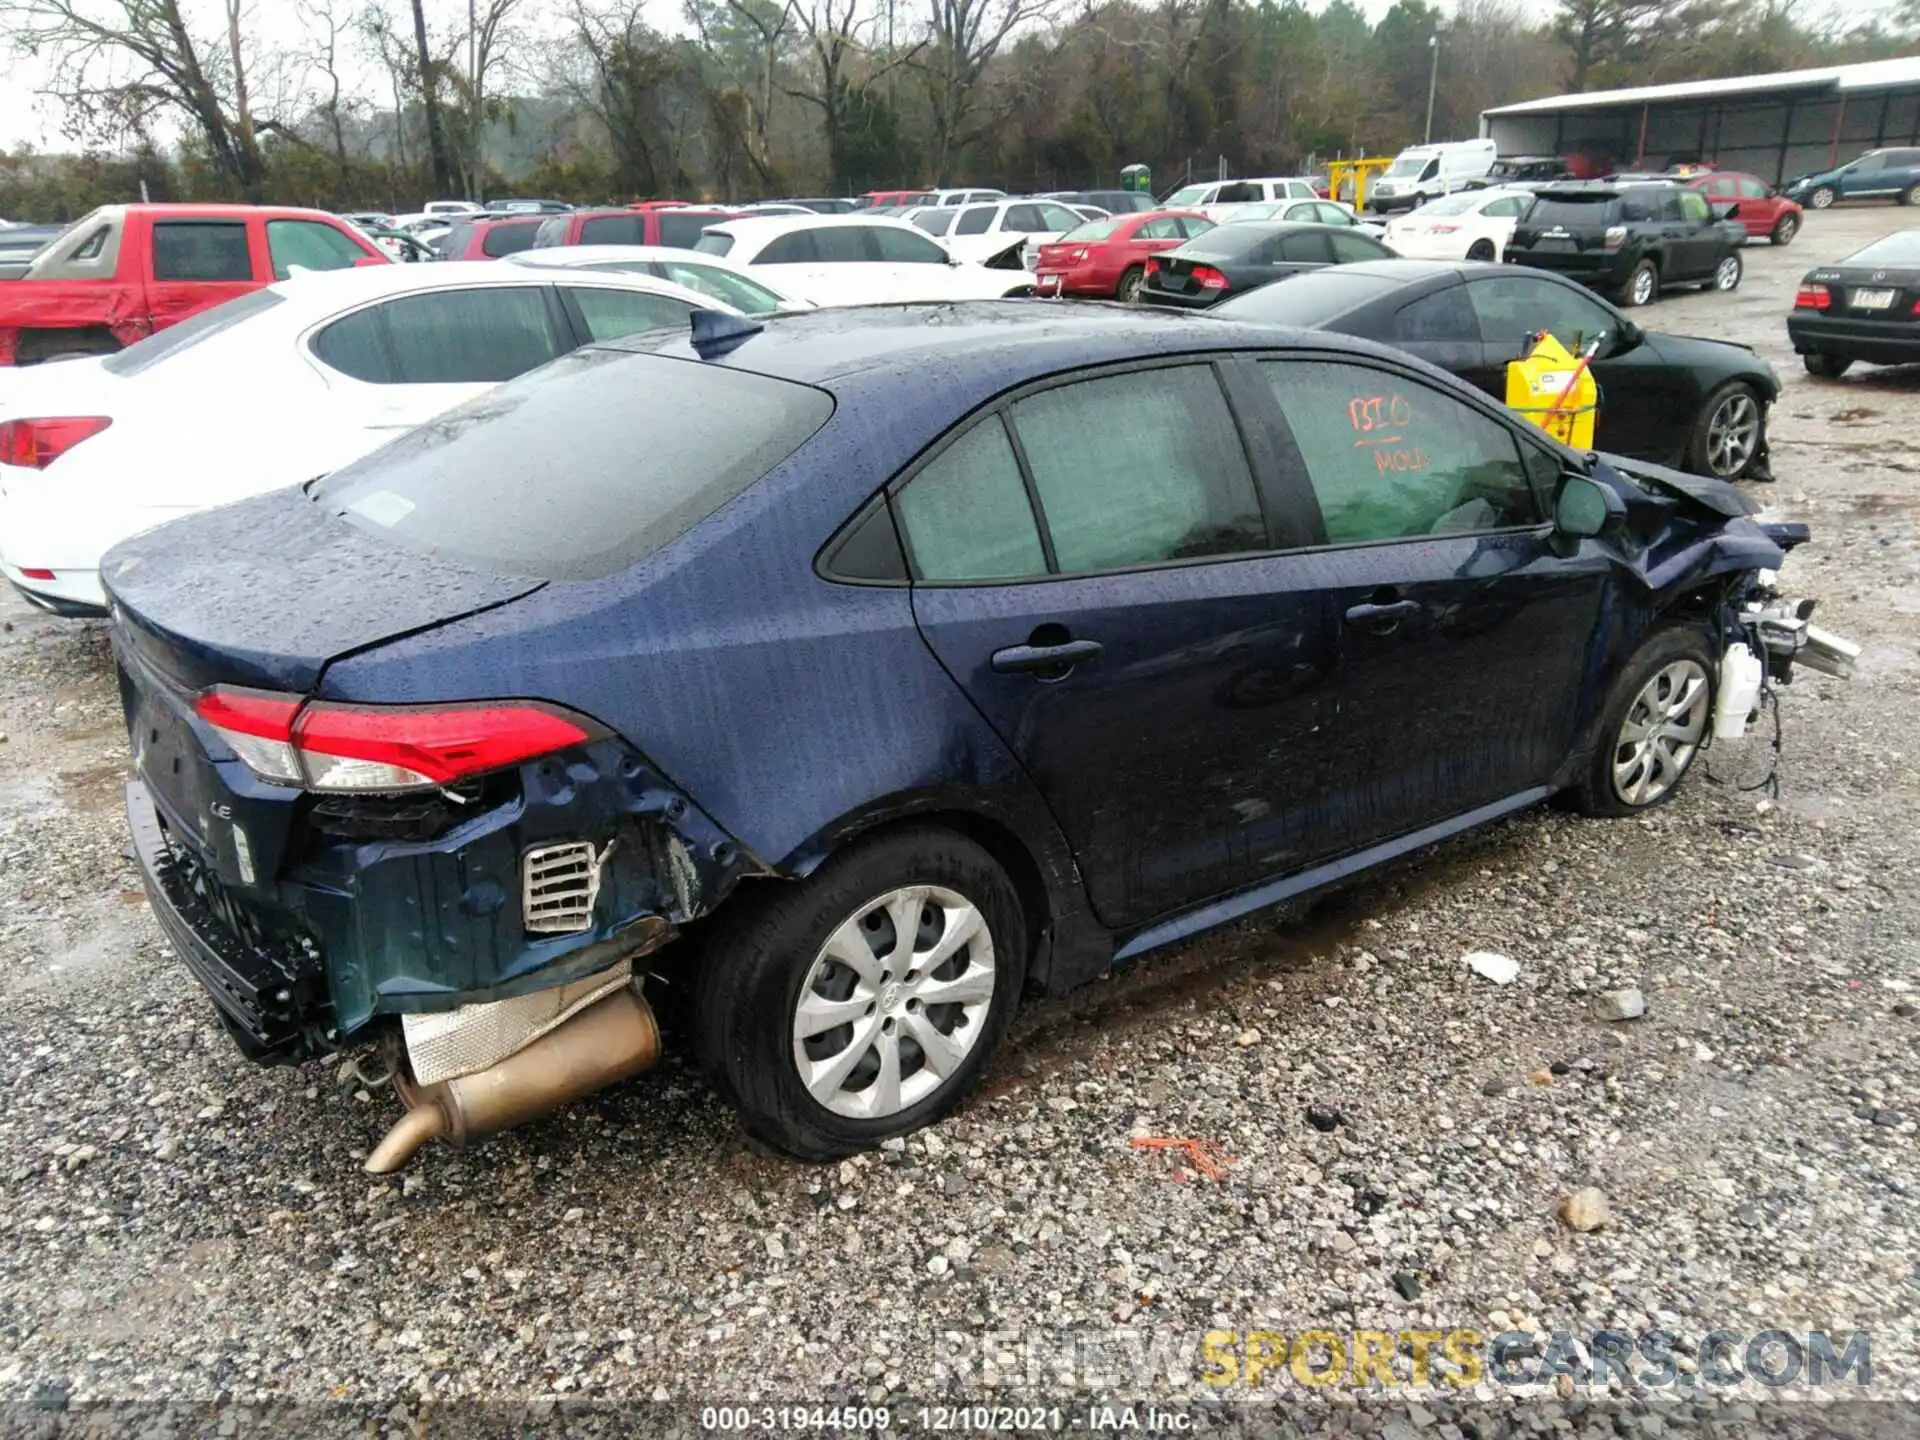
[
  {"x": 1382, "y": 619},
  {"x": 1051, "y": 661}
]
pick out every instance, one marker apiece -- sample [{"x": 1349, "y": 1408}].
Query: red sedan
[
  {"x": 1766, "y": 213},
  {"x": 1107, "y": 259}
]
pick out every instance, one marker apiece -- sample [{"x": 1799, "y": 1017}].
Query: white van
[{"x": 1424, "y": 171}]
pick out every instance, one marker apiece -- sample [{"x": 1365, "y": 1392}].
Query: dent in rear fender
[{"x": 428, "y": 924}]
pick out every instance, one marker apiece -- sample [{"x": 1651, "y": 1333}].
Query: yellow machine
[
  {"x": 1556, "y": 391},
  {"x": 1356, "y": 172}
]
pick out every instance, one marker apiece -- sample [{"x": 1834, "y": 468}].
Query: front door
[
  {"x": 1107, "y": 595},
  {"x": 1638, "y": 413}
]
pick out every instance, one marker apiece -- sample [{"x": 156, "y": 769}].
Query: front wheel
[
  {"x": 1128, "y": 290},
  {"x": 1909, "y": 196},
  {"x": 1642, "y": 285},
  {"x": 1652, "y": 727},
  {"x": 1784, "y": 232},
  {"x": 1826, "y": 367},
  {"x": 1728, "y": 433},
  {"x": 1822, "y": 198},
  {"x": 862, "y": 1002},
  {"x": 1726, "y": 275}
]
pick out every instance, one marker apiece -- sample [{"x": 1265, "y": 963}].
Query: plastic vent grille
[{"x": 558, "y": 885}]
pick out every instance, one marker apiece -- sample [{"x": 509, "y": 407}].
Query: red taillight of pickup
[
  {"x": 1813, "y": 297},
  {"x": 325, "y": 746},
  {"x": 35, "y": 444}
]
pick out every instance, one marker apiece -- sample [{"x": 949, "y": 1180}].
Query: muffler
[{"x": 613, "y": 1038}]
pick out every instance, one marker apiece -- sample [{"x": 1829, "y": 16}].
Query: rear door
[
  {"x": 1703, "y": 239},
  {"x": 195, "y": 264},
  {"x": 1866, "y": 176},
  {"x": 1093, "y": 565}
]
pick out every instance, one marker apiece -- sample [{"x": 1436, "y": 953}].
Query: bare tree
[
  {"x": 119, "y": 63},
  {"x": 619, "y": 70},
  {"x": 485, "y": 41},
  {"x": 834, "y": 35},
  {"x": 963, "y": 36}
]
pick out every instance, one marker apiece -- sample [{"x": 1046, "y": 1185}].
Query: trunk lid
[{"x": 267, "y": 591}]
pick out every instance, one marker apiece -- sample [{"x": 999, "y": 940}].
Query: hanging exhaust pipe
[{"x": 610, "y": 1040}]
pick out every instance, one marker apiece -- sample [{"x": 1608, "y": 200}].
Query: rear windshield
[
  {"x": 1900, "y": 248},
  {"x": 1574, "y": 212},
  {"x": 1226, "y": 241},
  {"x": 1089, "y": 232},
  {"x": 935, "y": 222},
  {"x": 652, "y": 447},
  {"x": 1307, "y": 300},
  {"x": 145, "y": 354},
  {"x": 714, "y": 243}
]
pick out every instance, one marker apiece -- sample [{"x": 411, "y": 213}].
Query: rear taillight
[
  {"x": 37, "y": 443},
  {"x": 1616, "y": 236},
  {"x": 1443, "y": 229},
  {"x": 321, "y": 745},
  {"x": 1209, "y": 278},
  {"x": 1812, "y": 297}
]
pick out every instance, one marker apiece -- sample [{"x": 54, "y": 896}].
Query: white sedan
[
  {"x": 708, "y": 274},
  {"x": 858, "y": 260},
  {"x": 1466, "y": 225},
  {"x": 275, "y": 388}
]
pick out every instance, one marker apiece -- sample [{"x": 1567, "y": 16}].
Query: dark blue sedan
[{"x": 855, "y": 676}]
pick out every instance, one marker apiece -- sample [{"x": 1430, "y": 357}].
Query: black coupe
[{"x": 1698, "y": 405}]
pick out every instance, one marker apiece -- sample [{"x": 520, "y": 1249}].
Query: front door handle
[
  {"x": 1050, "y": 662},
  {"x": 1382, "y": 619}
]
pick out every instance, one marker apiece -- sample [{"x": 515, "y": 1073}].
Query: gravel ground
[{"x": 177, "y": 1223}]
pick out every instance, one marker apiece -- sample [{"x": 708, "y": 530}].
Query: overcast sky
[{"x": 26, "y": 118}]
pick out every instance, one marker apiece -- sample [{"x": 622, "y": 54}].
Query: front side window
[
  {"x": 1025, "y": 220},
  {"x": 683, "y": 231},
  {"x": 1139, "y": 468},
  {"x": 311, "y": 246},
  {"x": 210, "y": 250},
  {"x": 1512, "y": 307},
  {"x": 476, "y": 336},
  {"x": 1748, "y": 188},
  {"x": 845, "y": 245},
  {"x": 1391, "y": 459},
  {"x": 792, "y": 249},
  {"x": 1056, "y": 218},
  {"x": 903, "y": 247},
  {"x": 966, "y": 516},
  {"x": 611, "y": 230},
  {"x": 1694, "y": 207},
  {"x": 609, "y": 314},
  {"x": 1166, "y": 228}
]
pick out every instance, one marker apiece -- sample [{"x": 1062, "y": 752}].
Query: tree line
[{"x": 379, "y": 104}]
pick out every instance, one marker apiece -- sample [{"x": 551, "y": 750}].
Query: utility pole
[{"x": 1433, "y": 79}]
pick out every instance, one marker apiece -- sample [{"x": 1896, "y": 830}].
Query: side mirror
[
  {"x": 1585, "y": 508},
  {"x": 1626, "y": 335}
]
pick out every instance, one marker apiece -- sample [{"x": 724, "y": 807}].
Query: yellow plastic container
[{"x": 1556, "y": 391}]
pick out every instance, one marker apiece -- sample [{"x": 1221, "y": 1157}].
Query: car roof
[
  {"x": 322, "y": 291},
  {"x": 759, "y": 229},
  {"x": 981, "y": 347},
  {"x": 568, "y": 257}
]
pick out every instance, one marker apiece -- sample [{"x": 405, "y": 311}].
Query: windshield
[
  {"x": 653, "y": 446},
  {"x": 145, "y": 354},
  {"x": 1900, "y": 248},
  {"x": 1407, "y": 166},
  {"x": 1190, "y": 195},
  {"x": 1089, "y": 232}
]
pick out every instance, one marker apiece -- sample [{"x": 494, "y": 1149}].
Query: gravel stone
[{"x": 1628, "y": 1004}]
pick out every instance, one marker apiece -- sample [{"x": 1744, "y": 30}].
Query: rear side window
[
  {"x": 478, "y": 336},
  {"x": 683, "y": 231},
  {"x": 144, "y": 354},
  {"x": 1305, "y": 248},
  {"x": 794, "y": 249},
  {"x": 201, "y": 250},
  {"x": 974, "y": 221},
  {"x": 712, "y": 244},
  {"x": 608, "y": 314},
  {"x": 1354, "y": 249},
  {"x": 735, "y": 290},
  {"x": 1390, "y": 459},
  {"x": 311, "y": 246},
  {"x": 967, "y": 516},
  {"x": 611, "y": 230},
  {"x": 934, "y": 222},
  {"x": 903, "y": 247},
  {"x": 1442, "y": 317},
  {"x": 1139, "y": 468},
  {"x": 654, "y": 446},
  {"x": 508, "y": 239}
]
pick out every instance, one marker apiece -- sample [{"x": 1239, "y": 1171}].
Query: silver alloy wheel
[
  {"x": 1726, "y": 275},
  {"x": 1821, "y": 198},
  {"x": 1663, "y": 728},
  {"x": 1644, "y": 282},
  {"x": 895, "y": 1002},
  {"x": 1130, "y": 284},
  {"x": 1784, "y": 232},
  {"x": 1733, "y": 434}
]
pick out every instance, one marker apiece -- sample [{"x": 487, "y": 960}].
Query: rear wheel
[
  {"x": 1652, "y": 727},
  {"x": 1480, "y": 250},
  {"x": 1786, "y": 229},
  {"x": 1643, "y": 285},
  {"x": 1827, "y": 367},
  {"x": 1128, "y": 290},
  {"x": 1822, "y": 198},
  {"x": 862, "y": 1002},
  {"x": 1726, "y": 275},
  {"x": 1727, "y": 435}
]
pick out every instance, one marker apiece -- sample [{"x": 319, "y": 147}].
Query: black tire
[
  {"x": 1725, "y": 404},
  {"x": 1726, "y": 280},
  {"x": 1826, "y": 367},
  {"x": 1822, "y": 198},
  {"x": 1785, "y": 229},
  {"x": 1596, "y": 792},
  {"x": 1481, "y": 250},
  {"x": 1909, "y": 196},
  {"x": 756, "y": 962},
  {"x": 1127, "y": 292},
  {"x": 1638, "y": 291}
]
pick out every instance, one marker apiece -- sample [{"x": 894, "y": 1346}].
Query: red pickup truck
[{"x": 126, "y": 271}]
